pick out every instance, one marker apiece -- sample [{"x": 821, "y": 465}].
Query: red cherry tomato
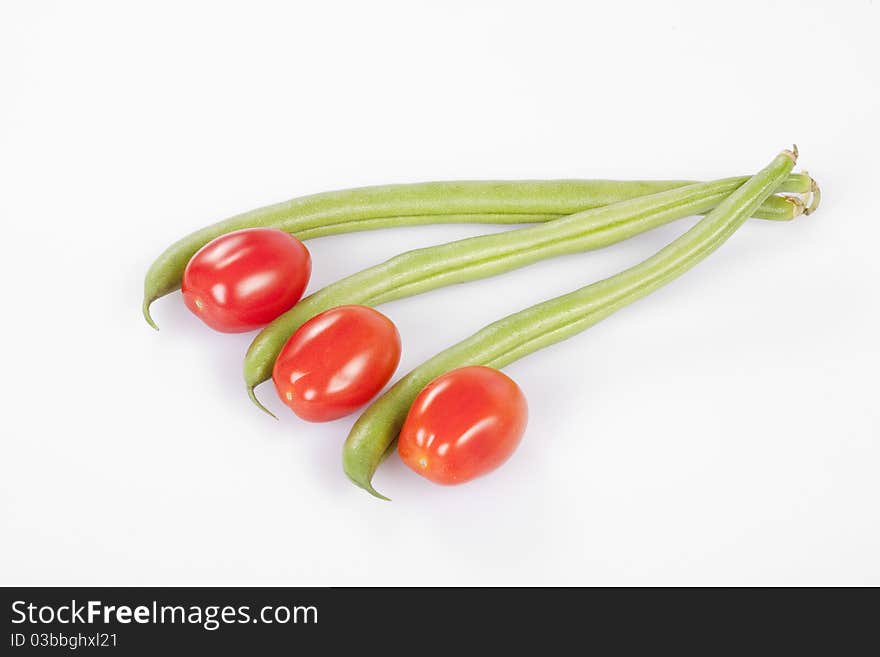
[
  {"x": 243, "y": 280},
  {"x": 463, "y": 424},
  {"x": 336, "y": 362}
]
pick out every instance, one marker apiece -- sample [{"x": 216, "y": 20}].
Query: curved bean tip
[
  {"x": 816, "y": 197},
  {"x": 147, "y": 316},
  {"x": 363, "y": 480},
  {"x": 253, "y": 397},
  {"x": 798, "y": 203},
  {"x": 372, "y": 491},
  {"x": 793, "y": 153}
]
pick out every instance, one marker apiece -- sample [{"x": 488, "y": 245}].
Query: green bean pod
[
  {"x": 428, "y": 268},
  {"x": 369, "y": 208},
  {"x": 522, "y": 333}
]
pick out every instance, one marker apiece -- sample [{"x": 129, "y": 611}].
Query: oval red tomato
[
  {"x": 336, "y": 362},
  {"x": 463, "y": 424},
  {"x": 243, "y": 280}
]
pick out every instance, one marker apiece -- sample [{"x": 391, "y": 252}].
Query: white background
[{"x": 725, "y": 430}]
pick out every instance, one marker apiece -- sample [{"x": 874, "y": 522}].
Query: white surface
[{"x": 725, "y": 430}]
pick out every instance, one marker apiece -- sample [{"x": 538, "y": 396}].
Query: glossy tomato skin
[
  {"x": 336, "y": 362},
  {"x": 243, "y": 280},
  {"x": 463, "y": 425}
]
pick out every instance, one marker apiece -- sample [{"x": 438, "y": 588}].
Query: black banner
[{"x": 148, "y": 621}]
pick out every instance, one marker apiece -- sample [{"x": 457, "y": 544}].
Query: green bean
[
  {"x": 522, "y": 333},
  {"x": 368, "y": 208},
  {"x": 425, "y": 269}
]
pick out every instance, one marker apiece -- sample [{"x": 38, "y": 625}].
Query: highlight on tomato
[
  {"x": 463, "y": 424},
  {"x": 336, "y": 362},
  {"x": 243, "y": 280}
]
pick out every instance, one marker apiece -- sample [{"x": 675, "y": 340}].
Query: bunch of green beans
[
  {"x": 368, "y": 208},
  {"x": 522, "y": 333},
  {"x": 469, "y": 259}
]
